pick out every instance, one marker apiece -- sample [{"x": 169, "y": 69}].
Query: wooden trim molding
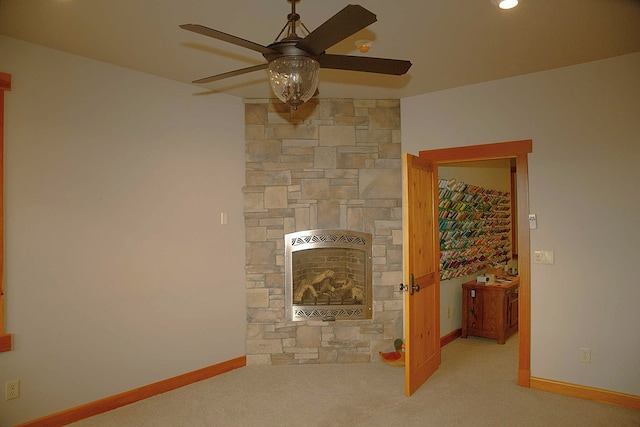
[
  {"x": 507, "y": 150},
  {"x": 583, "y": 392},
  {"x": 514, "y": 212},
  {"x": 444, "y": 340},
  {"x": 5, "y": 342},
  {"x": 524, "y": 270},
  {"x": 498, "y": 150},
  {"x": 5, "y": 339},
  {"x": 116, "y": 401},
  {"x": 5, "y": 81}
]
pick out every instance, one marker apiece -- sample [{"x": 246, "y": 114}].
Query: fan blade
[
  {"x": 232, "y": 73},
  {"x": 210, "y": 32},
  {"x": 348, "y": 21},
  {"x": 365, "y": 63}
]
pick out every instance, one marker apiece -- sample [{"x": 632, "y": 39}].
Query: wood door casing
[
  {"x": 504, "y": 150},
  {"x": 5, "y": 338}
]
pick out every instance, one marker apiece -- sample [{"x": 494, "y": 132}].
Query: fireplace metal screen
[{"x": 328, "y": 275}]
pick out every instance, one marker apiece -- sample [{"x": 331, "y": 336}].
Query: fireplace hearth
[{"x": 328, "y": 275}]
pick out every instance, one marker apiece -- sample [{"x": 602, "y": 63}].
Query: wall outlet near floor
[
  {"x": 585, "y": 355},
  {"x": 12, "y": 390}
]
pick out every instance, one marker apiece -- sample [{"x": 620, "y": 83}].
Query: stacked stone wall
[{"x": 331, "y": 164}]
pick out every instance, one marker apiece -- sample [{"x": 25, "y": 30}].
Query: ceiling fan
[{"x": 294, "y": 61}]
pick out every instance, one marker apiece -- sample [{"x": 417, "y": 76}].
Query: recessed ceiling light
[{"x": 505, "y": 4}]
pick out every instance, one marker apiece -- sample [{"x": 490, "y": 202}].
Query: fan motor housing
[{"x": 287, "y": 47}]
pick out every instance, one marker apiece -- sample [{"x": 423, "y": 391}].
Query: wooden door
[{"x": 421, "y": 270}]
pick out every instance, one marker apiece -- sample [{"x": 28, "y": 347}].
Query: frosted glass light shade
[{"x": 294, "y": 79}]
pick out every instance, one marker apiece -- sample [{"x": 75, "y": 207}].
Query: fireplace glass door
[{"x": 328, "y": 275}]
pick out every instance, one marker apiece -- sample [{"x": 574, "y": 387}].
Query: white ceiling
[{"x": 450, "y": 42}]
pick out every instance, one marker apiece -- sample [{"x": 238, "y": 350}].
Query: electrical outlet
[
  {"x": 12, "y": 390},
  {"x": 585, "y": 355},
  {"x": 449, "y": 313}
]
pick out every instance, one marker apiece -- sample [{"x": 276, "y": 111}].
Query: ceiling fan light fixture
[
  {"x": 294, "y": 79},
  {"x": 505, "y": 4},
  {"x": 294, "y": 62}
]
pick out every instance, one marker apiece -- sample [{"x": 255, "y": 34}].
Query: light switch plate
[{"x": 543, "y": 257}]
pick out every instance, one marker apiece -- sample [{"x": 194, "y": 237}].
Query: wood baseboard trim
[
  {"x": 450, "y": 337},
  {"x": 583, "y": 392},
  {"x": 524, "y": 378},
  {"x": 116, "y": 401}
]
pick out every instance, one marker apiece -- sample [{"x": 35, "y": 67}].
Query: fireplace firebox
[{"x": 328, "y": 275}]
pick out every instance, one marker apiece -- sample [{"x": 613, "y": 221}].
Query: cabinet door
[
  {"x": 474, "y": 309},
  {"x": 491, "y": 301}
]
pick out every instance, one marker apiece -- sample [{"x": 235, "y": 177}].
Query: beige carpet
[{"x": 475, "y": 386}]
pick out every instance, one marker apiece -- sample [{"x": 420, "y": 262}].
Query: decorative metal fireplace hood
[{"x": 328, "y": 275}]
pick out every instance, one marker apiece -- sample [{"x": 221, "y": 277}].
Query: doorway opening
[
  {"x": 517, "y": 152},
  {"x": 478, "y": 236}
]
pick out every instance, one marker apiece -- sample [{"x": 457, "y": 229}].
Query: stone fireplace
[
  {"x": 327, "y": 275},
  {"x": 333, "y": 164}
]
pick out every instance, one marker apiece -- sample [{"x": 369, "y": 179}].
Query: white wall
[
  {"x": 118, "y": 272},
  {"x": 584, "y": 175}
]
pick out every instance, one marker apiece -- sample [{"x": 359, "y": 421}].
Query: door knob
[{"x": 411, "y": 288}]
